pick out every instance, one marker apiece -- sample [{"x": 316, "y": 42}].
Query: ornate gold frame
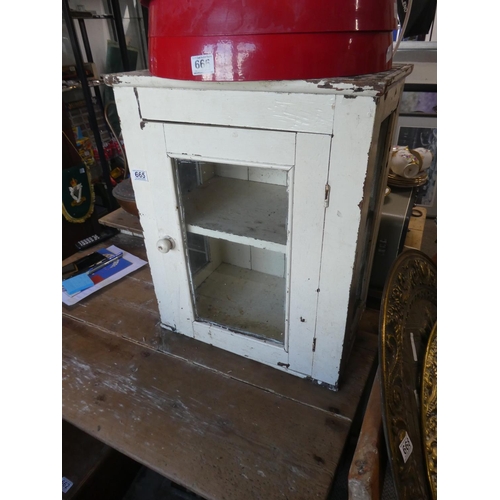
[
  {"x": 409, "y": 312},
  {"x": 429, "y": 410}
]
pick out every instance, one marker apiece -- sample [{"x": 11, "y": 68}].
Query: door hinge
[
  {"x": 314, "y": 344},
  {"x": 327, "y": 195}
]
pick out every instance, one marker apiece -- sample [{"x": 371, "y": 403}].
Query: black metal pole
[
  {"x": 120, "y": 34},
  {"x": 85, "y": 39},
  {"x": 88, "y": 100},
  {"x": 145, "y": 20},
  {"x": 112, "y": 24},
  {"x": 90, "y": 59}
]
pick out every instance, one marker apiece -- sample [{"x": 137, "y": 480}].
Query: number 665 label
[
  {"x": 202, "y": 65},
  {"x": 140, "y": 175}
]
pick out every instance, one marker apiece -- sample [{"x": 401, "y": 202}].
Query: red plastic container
[{"x": 242, "y": 40}]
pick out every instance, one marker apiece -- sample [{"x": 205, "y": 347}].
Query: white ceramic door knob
[{"x": 165, "y": 245}]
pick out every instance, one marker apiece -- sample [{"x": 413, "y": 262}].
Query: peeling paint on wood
[
  {"x": 112, "y": 79},
  {"x": 371, "y": 84},
  {"x": 136, "y": 93}
]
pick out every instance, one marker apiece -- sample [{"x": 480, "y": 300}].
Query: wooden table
[{"x": 223, "y": 426}]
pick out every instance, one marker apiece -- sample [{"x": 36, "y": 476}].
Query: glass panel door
[{"x": 235, "y": 222}]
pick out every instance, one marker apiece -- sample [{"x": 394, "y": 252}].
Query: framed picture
[
  {"x": 419, "y": 102},
  {"x": 417, "y": 131}
]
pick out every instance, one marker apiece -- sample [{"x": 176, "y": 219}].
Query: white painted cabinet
[{"x": 259, "y": 203}]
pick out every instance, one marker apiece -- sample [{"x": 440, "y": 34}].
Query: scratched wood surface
[
  {"x": 367, "y": 466},
  {"x": 223, "y": 426}
]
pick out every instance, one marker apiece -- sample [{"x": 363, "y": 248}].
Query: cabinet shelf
[
  {"x": 244, "y": 299},
  {"x": 246, "y": 212}
]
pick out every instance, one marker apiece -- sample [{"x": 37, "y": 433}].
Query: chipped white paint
[
  {"x": 143, "y": 79},
  {"x": 319, "y": 141}
]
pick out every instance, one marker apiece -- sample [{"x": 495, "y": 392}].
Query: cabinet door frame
[{"x": 305, "y": 156}]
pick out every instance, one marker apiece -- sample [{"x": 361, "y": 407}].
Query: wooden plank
[
  {"x": 127, "y": 223},
  {"x": 210, "y": 433},
  {"x": 364, "y": 479},
  {"x": 129, "y": 309},
  {"x": 360, "y": 85},
  {"x": 349, "y": 157},
  {"x": 146, "y": 151},
  {"x": 244, "y": 346},
  {"x": 246, "y": 212},
  {"x": 310, "y": 178},
  {"x": 160, "y": 218},
  {"x": 238, "y": 146},
  {"x": 264, "y": 110}
]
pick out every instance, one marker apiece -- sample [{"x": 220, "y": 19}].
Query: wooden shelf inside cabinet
[
  {"x": 246, "y": 300},
  {"x": 247, "y": 212}
]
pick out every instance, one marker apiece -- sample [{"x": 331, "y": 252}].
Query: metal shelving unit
[{"x": 86, "y": 84}]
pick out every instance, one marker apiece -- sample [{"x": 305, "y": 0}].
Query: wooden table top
[{"x": 223, "y": 426}]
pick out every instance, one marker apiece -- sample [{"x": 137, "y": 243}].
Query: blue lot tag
[
  {"x": 77, "y": 284},
  {"x": 66, "y": 484}
]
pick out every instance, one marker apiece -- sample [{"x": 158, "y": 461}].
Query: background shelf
[{"x": 125, "y": 222}]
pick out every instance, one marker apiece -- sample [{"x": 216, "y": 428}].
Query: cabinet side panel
[
  {"x": 374, "y": 192},
  {"x": 308, "y": 212},
  {"x": 352, "y": 139}
]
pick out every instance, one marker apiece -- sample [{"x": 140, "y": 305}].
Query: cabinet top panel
[{"x": 375, "y": 84}]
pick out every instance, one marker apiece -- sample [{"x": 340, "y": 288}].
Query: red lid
[
  {"x": 240, "y": 17},
  {"x": 237, "y": 40}
]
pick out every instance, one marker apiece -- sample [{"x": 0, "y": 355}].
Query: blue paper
[
  {"x": 111, "y": 269},
  {"x": 77, "y": 283}
]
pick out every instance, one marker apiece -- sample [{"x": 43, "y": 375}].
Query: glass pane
[{"x": 235, "y": 222}]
